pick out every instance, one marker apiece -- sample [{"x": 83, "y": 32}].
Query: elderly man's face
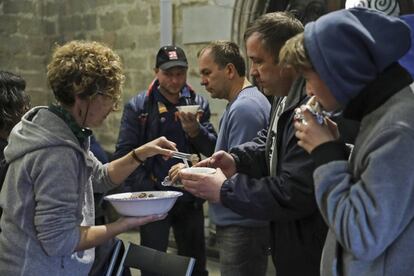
[
  {"x": 172, "y": 80},
  {"x": 213, "y": 78},
  {"x": 264, "y": 68}
]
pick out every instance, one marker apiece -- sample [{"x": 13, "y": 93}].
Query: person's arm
[
  {"x": 239, "y": 124},
  {"x": 118, "y": 170},
  {"x": 121, "y": 168},
  {"x": 289, "y": 195},
  {"x": 92, "y": 236},
  {"x": 204, "y": 141},
  {"x": 130, "y": 137},
  {"x": 58, "y": 193},
  {"x": 250, "y": 157},
  {"x": 369, "y": 207},
  {"x": 222, "y": 160}
]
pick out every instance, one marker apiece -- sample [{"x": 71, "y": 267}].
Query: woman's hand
[
  {"x": 312, "y": 134},
  {"x": 92, "y": 236},
  {"x": 160, "y": 146},
  {"x": 134, "y": 222}
]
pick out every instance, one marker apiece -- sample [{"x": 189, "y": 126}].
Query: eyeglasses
[{"x": 115, "y": 99}]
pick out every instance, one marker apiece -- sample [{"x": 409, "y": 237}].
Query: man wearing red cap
[{"x": 154, "y": 113}]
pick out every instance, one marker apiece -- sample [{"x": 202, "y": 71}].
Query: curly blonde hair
[{"x": 84, "y": 68}]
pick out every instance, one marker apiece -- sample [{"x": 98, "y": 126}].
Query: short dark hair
[
  {"x": 13, "y": 100},
  {"x": 275, "y": 29},
  {"x": 225, "y": 52}
]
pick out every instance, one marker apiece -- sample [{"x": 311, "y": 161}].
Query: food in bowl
[
  {"x": 194, "y": 158},
  {"x": 188, "y": 108},
  {"x": 140, "y": 195},
  {"x": 143, "y": 203}
]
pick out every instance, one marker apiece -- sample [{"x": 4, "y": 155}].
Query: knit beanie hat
[{"x": 349, "y": 48}]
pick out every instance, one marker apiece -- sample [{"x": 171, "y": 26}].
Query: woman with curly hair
[{"x": 47, "y": 197}]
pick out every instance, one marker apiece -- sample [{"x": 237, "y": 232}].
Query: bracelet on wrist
[{"x": 135, "y": 156}]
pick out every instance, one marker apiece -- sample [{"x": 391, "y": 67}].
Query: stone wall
[{"x": 30, "y": 28}]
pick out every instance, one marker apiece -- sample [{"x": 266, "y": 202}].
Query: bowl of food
[
  {"x": 198, "y": 170},
  {"x": 140, "y": 204},
  {"x": 188, "y": 108}
]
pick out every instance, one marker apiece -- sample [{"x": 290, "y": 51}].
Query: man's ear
[{"x": 230, "y": 70}]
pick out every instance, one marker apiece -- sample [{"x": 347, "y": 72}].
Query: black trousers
[{"x": 187, "y": 221}]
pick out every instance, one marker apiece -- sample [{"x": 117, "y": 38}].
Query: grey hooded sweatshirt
[
  {"x": 367, "y": 201},
  {"x": 47, "y": 195}
]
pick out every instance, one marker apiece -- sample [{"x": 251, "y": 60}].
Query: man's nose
[
  {"x": 253, "y": 71},
  {"x": 175, "y": 80},
  {"x": 203, "y": 82}
]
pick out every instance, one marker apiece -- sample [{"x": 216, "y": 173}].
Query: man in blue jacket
[
  {"x": 270, "y": 178},
  {"x": 151, "y": 114}
]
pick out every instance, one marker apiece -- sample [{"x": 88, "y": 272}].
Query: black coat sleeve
[
  {"x": 288, "y": 196},
  {"x": 250, "y": 156}
]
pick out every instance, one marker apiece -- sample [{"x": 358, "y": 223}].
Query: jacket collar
[
  {"x": 296, "y": 94},
  {"x": 81, "y": 133},
  {"x": 186, "y": 91},
  {"x": 389, "y": 82}
]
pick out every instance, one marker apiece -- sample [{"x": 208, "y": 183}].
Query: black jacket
[{"x": 287, "y": 200}]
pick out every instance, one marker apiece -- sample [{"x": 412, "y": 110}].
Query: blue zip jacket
[{"x": 141, "y": 123}]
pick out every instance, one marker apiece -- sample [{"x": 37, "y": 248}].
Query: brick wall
[{"x": 30, "y": 28}]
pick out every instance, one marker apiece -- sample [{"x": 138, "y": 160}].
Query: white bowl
[
  {"x": 188, "y": 108},
  {"x": 199, "y": 170},
  {"x": 130, "y": 204}
]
